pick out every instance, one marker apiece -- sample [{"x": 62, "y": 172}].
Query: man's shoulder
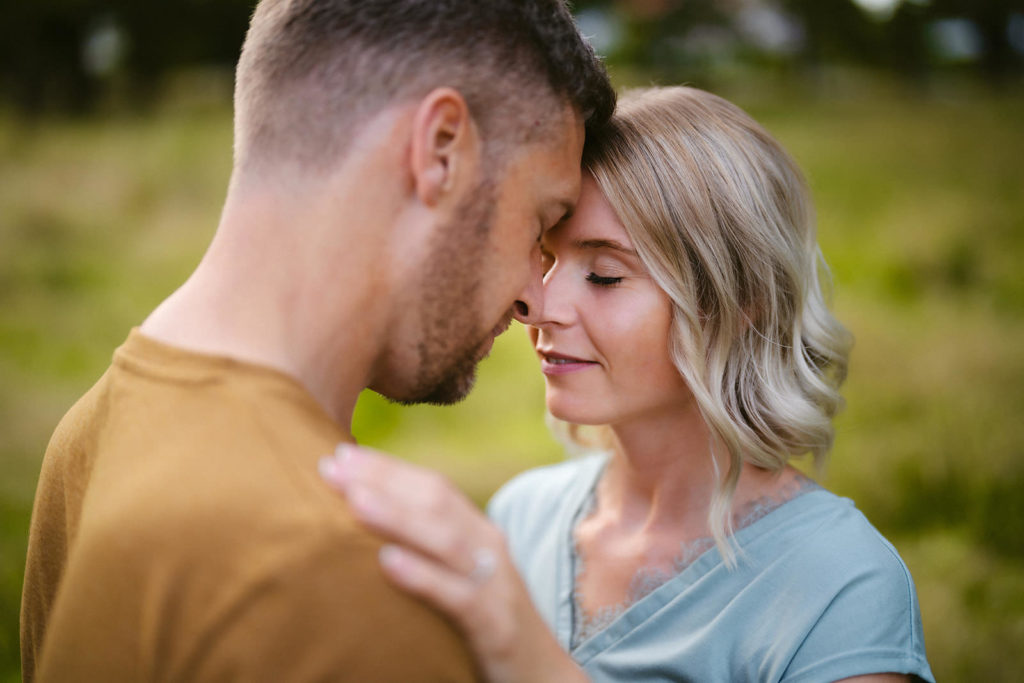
[
  {"x": 310, "y": 582},
  {"x": 281, "y": 597},
  {"x": 204, "y": 537},
  {"x": 247, "y": 578},
  {"x": 218, "y": 507}
]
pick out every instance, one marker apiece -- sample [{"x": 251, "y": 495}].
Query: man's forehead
[
  {"x": 558, "y": 185},
  {"x": 547, "y": 168},
  {"x": 573, "y": 130},
  {"x": 558, "y": 157},
  {"x": 563, "y": 132}
]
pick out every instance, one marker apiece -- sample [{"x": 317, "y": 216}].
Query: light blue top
[{"x": 818, "y": 594}]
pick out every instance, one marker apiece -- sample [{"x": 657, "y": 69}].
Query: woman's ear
[{"x": 443, "y": 145}]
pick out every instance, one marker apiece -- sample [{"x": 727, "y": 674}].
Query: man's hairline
[{"x": 503, "y": 151}]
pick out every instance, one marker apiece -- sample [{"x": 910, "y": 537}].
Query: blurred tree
[
  {"x": 836, "y": 30},
  {"x": 178, "y": 34},
  {"x": 60, "y": 54},
  {"x": 43, "y": 44},
  {"x": 905, "y": 47},
  {"x": 40, "y": 54},
  {"x": 677, "y": 40},
  {"x": 999, "y": 62}
]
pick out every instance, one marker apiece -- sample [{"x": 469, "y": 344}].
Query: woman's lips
[{"x": 552, "y": 363}]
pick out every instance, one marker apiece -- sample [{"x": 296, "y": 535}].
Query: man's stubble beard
[{"x": 450, "y": 308}]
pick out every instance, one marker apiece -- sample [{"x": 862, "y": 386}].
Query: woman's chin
[{"x": 576, "y": 412}]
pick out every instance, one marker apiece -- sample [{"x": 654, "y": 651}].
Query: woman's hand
[{"x": 448, "y": 553}]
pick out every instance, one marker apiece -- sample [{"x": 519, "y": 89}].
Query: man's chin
[
  {"x": 502, "y": 326},
  {"x": 449, "y": 391},
  {"x": 449, "y": 387},
  {"x": 456, "y": 384},
  {"x": 487, "y": 345},
  {"x": 485, "y": 348}
]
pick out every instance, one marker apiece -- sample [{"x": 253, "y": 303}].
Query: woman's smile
[{"x": 554, "y": 363}]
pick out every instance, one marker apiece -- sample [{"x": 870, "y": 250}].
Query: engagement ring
[{"x": 484, "y": 564}]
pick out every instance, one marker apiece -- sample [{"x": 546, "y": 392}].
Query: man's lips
[{"x": 555, "y": 363}]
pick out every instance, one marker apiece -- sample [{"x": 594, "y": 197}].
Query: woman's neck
[
  {"x": 661, "y": 471},
  {"x": 661, "y": 478}
]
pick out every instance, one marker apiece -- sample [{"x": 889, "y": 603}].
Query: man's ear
[{"x": 444, "y": 143}]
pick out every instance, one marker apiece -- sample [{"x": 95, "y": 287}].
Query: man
[{"x": 395, "y": 164}]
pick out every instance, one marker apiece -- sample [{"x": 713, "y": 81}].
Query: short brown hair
[{"x": 312, "y": 70}]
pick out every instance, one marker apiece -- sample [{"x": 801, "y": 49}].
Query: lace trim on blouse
[{"x": 648, "y": 579}]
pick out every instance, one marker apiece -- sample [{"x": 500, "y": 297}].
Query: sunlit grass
[{"x": 921, "y": 214}]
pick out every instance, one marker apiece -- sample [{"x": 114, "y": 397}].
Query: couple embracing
[{"x": 409, "y": 176}]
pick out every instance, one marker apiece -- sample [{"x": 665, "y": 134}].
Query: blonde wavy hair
[{"x": 721, "y": 217}]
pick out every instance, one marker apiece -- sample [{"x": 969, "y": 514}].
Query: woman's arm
[{"x": 448, "y": 553}]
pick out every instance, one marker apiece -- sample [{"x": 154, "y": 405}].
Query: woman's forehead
[{"x": 594, "y": 224}]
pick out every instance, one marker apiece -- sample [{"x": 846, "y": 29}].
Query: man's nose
[{"x": 530, "y": 304}]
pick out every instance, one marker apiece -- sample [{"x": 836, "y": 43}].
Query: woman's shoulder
[
  {"x": 543, "y": 491},
  {"x": 828, "y": 533},
  {"x": 857, "y": 592}
]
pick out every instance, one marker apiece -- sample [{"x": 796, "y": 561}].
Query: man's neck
[{"x": 283, "y": 298}]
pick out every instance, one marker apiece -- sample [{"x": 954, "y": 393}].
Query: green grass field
[{"x": 921, "y": 214}]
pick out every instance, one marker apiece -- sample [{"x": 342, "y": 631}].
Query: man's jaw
[
  {"x": 496, "y": 331},
  {"x": 500, "y": 328}
]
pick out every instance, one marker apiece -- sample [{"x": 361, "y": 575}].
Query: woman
[{"x": 684, "y": 320}]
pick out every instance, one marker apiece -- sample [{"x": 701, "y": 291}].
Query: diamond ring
[{"x": 484, "y": 564}]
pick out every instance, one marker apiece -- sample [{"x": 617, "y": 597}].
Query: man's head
[
  {"x": 486, "y": 255},
  {"x": 313, "y": 71},
  {"x": 492, "y": 99}
]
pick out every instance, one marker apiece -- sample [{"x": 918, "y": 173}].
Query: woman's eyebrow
[{"x": 604, "y": 244}]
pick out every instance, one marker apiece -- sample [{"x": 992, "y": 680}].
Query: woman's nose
[{"x": 557, "y": 299}]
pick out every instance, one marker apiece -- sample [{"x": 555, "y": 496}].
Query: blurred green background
[{"x": 907, "y": 117}]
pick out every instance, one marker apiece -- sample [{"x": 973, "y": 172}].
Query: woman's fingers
[
  {"x": 432, "y": 581},
  {"x": 418, "y": 487},
  {"x": 450, "y": 555},
  {"x": 366, "y": 467},
  {"x": 511, "y": 640},
  {"x": 450, "y": 538},
  {"x": 412, "y": 505}
]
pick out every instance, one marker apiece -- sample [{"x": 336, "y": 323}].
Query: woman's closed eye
[{"x": 603, "y": 281}]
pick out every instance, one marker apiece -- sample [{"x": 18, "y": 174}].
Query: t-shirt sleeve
[
  {"x": 872, "y": 625},
  {"x": 499, "y": 507},
  {"x": 534, "y": 497},
  {"x": 330, "y": 617}
]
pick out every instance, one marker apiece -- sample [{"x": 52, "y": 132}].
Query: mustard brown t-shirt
[{"x": 181, "y": 533}]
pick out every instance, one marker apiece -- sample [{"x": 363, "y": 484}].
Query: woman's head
[
  {"x": 720, "y": 217},
  {"x": 605, "y": 329}
]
